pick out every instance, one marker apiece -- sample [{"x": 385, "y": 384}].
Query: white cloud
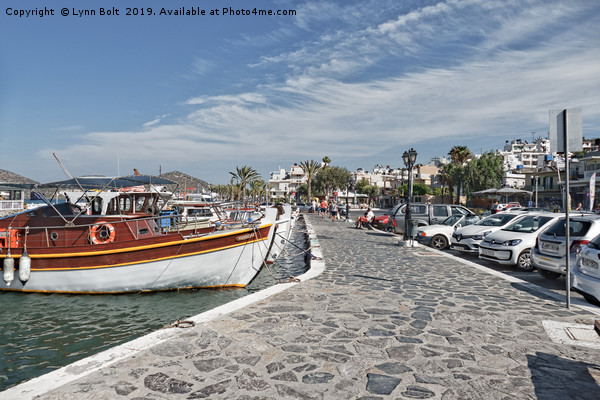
[{"x": 327, "y": 105}]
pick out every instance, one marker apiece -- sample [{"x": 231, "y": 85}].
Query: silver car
[
  {"x": 585, "y": 274},
  {"x": 549, "y": 253}
]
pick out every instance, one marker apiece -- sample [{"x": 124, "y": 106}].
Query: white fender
[
  {"x": 9, "y": 269},
  {"x": 24, "y": 267}
]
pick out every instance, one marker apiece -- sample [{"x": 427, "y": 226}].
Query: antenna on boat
[{"x": 62, "y": 166}]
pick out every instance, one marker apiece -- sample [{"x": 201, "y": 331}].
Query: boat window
[
  {"x": 112, "y": 207},
  {"x": 125, "y": 204},
  {"x": 97, "y": 206},
  {"x": 139, "y": 203},
  {"x": 151, "y": 201}
]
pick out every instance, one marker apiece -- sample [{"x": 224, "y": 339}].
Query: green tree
[
  {"x": 446, "y": 181},
  {"x": 326, "y": 161},
  {"x": 302, "y": 191},
  {"x": 459, "y": 156},
  {"x": 232, "y": 189},
  {"x": 364, "y": 187},
  {"x": 331, "y": 178},
  {"x": 310, "y": 168},
  {"x": 419, "y": 189},
  {"x": 244, "y": 175},
  {"x": 258, "y": 188},
  {"x": 484, "y": 172}
]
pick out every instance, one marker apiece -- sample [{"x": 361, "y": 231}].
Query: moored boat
[{"x": 122, "y": 244}]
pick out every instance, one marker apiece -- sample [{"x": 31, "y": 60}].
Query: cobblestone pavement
[{"x": 381, "y": 322}]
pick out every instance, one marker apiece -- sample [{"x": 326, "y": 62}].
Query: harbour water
[{"x": 43, "y": 332}]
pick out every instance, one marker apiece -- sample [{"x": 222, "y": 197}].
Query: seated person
[{"x": 367, "y": 218}]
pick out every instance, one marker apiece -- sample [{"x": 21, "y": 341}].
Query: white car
[
  {"x": 585, "y": 273},
  {"x": 467, "y": 238},
  {"x": 438, "y": 236},
  {"x": 512, "y": 244},
  {"x": 549, "y": 254}
]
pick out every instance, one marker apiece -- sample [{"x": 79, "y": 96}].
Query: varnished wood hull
[{"x": 222, "y": 259}]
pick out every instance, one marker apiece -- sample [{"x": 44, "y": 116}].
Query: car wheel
[
  {"x": 524, "y": 261},
  {"x": 549, "y": 274},
  {"x": 439, "y": 242},
  {"x": 389, "y": 228}
]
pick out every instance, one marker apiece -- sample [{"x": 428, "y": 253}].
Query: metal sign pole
[{"x": 567, "y": 225}]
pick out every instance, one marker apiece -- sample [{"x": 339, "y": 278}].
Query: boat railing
[{"x": 137, "y": 228}]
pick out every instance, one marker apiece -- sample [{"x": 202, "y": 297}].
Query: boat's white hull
[
  {"x": 229, "y": 266},
  {"x": 282, "y": 233},
  {"x": 224, "y": 268}
]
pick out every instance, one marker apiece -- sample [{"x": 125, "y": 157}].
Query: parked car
[
  {"x": 467, "y": 238},
  {"x": 384, "y": 221},
  {"x": 585, "y": 273},
  {"x": 549, "y": 253},
  {"x": 512, "y": 244},
  {"x": 425, "y": 214},
  {"x": 304, "y": 208},
  {"x": 438, "y": 236},
  {"x": 497, "y": 207}
]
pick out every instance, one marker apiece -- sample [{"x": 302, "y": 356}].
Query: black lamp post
[
  {"x": 348, "y": 187},
  {"x": 409, "y": 157}
]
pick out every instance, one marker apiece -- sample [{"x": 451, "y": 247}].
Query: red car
[{"x": 383, "y": 221}]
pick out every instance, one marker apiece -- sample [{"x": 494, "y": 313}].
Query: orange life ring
[{"x": 102, "y": 233}]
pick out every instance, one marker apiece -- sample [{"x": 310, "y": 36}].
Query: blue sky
[{"x": 359, "y": 81}]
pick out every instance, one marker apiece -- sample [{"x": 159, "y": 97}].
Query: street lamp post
[
  {"x": 409, "y": 157},
  {"x": 348, "y": 187}
]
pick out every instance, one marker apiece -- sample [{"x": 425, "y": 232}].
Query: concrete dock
[{"x": 376, "y": 321}]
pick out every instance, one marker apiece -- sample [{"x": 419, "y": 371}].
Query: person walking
[
  {"x": 333, "y": 209},
  {"x": 323, "y": 208}
]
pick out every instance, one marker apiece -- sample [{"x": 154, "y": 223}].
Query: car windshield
[
  {"x": 496, "y": 220},
  {"x": 528, "y": 224},
  {"x": 576, "y": 228},
  {"x": 452, "y": 220}
]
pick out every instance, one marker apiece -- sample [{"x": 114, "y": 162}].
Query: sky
[{"x": 358, "y": 81}]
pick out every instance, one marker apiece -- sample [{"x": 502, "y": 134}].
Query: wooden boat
[{"x": 123, "y": 244}]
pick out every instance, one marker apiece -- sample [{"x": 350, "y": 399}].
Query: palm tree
[
  {"x": 232, "y": 187},
  {"x": 245, "y": 175},
  {"x": 310, "y": 168},
  {"x": 257, "y": 188},
  {"x": 459, "y": 156},
  {"x": 445, "y": 180},
  {"x": 326, "y": 161}
]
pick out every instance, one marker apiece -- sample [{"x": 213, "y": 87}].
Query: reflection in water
[{"x": 43, "y": 332}]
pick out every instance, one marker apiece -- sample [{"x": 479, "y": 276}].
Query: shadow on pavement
[{"x": 559, "y": 378}]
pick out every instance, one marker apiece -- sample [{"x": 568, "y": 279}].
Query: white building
[
  {"x": 523, "y": 157},
  {"x": 283, "y": 184}
]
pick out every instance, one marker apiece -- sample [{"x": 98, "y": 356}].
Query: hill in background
[
  {"x": 183, "y": 180},
  {"x": 7, "y": 177},
  {"x": 194, "y": 185}
]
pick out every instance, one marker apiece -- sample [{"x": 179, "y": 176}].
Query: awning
[
  {"x": 102, "y": 182},
  {"x": 504, "y": 192}
]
